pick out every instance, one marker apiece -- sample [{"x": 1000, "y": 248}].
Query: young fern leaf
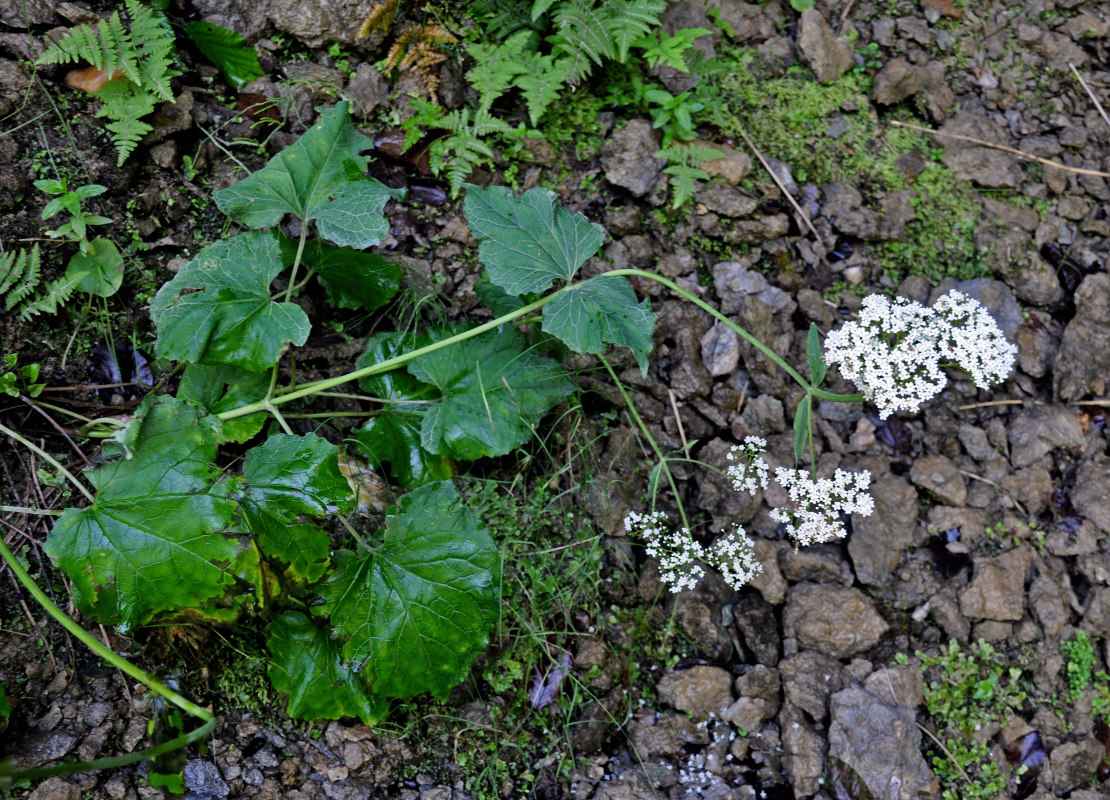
[
  {"x": 583, "y": 36},
  {"x": 19, "y": 276},
  {"x": 496, "y": 67},
  {"x": 541, "y": 83},
  {"x": 628, "y": 20},
  {"x": 138, "y": 64},
  {"x": 683, "y": 162},
  {"x": 55, "y": 295}
]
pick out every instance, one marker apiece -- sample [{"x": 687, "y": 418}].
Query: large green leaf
[
  {"x": 101, "y": 269},
  {"x": 493, "y": 391},
  {"x": 308, "y": 667},
  {"x": 529, "y": 241},
  {"x": 602, "y": 310},
  {"x": 217, "y": 309},
  {"x": 154, "y": 538},
  {"x": 318, "y": 177},
  {"x": 288, "y": 476},
  {"x": 363, "y": 281},
  {"x": 417, "y": 610},
  {"x": 393, "y": 437},
  {"x": 220, "y": 387}
]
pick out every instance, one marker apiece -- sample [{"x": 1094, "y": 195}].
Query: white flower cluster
[
  {"x": 895, "y": 351},
  {"x": 752, "y": 475},
  {"x": 679, "y": 553},
  {"x": 818, "y": 504}
]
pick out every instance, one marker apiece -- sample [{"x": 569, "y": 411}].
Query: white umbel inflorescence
[
  {"x": 819, "y": 504},
  {"x": 680, "y": 555},
  {"x": 733, "y": 556},
  {"x": 895, "y": 351},
  {"x": 750, "y": 476}
]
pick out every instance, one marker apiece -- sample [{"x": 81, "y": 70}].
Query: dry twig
[{"x": 1090, "y": 94}]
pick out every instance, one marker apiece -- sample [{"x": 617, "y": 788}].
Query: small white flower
[
  {"x": 680, "y": 555},
  {"x": 751, "y": 476},
  {"x": 734, "y": 557},
  {"x": 895, "y": 351},
  {"x": 818, "y": 504}
]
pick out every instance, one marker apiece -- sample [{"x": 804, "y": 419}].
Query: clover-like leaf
[
  {"x": 318, "y": 177},
  {"x": 286, "y": 477},
  {"x": 217, "y": 309},
  {"x": 602, "y": 310},
  {"x": 221, "y": 387},
  {"x": 529, "y": 241},
  {"x": 493, "y": 391},
  {"x": 308, "y": 667},
  {"x": 417, "y": 610},
  {"x": 154, "y": 538},
  {"x": 364, "y": 281}
]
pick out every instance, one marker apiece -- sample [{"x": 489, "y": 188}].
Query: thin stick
[
  {"x": 1090, "y": 94},
  {"x": 990, "y": 403},
  {"x": 775, "y": 178},
  {"x": 989, "y": 482},
  {"x": 34, "y": 448},
  {"x": 678, "y": 420},
  {"x": 1046, "y": 161},
  {"x": 73, "y": 445},
  {"x": 946, "y": 751}
]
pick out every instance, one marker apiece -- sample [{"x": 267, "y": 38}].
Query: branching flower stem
[{"x": 317, "y": 387}]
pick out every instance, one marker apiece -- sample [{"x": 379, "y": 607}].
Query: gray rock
[
  {"x": 937, "y": 474},
  {"x": 1074, "y": 763},
  {"x": 882, "y": 744},
  {"x": 1083, "y": 362},
  {"x": 771, "y": 585},
  {"x": 843, "y": 206},
  {"x": 1032, "y": 487},
  {"x": 809, "y": 679},
  {"x": 1055, "y": 48},
  {"x": 987, "y": 167},
  {"x": 946, "y": 611},
  {"x": 997, "y": 588},
  {"x": 828, "y": 56},
  {"x": 803, "y": 752},
  {"x": 203, "y": 780},
  {"x": 1049, "y": 605},
  {"x": 1092, "y": 491},
  {"x": 879, "y": 541},
  {"x": 248, "y": 20},
  {"x": 726, "y": 200},
  {"x": 1012, "y": 253},
  {"x": 627, "y": 158},
  {"x": 838, "y": 621},
  {"x": 17, "y": 13},
  {"x": 1038, "y": 341},
  {"x": 731, "y": 168},
  {"x": 897, "y": 686},
  {"x": 55, "y": 789},
  {"x": 755, "y": 620},
  {"x": 320, "y": 22},
  {"x": 720, "y": 350},
  {"x": 367, "y": 89},
  {"x": 665, "y": 735},
  {"x": 764, "y": 415},
  {"x": 1039, "y": 430},
  {"x": 748, "y": 713},
  {"x": 896, "y": 81},
  {"x": 748, "y": 22},
  {"x": 1096, "y": 617},
  {"x": 1068, "y": 541},
  {"x": 974, "y": 440},
  {"x": 700, "y": 690}
]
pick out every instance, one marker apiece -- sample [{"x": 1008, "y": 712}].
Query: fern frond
[
  {"x": 55, "y": 295},
  {"x": 689, "y": 154},
  {"x": 583, "y": 35},
  {"x": 19, "y": 276},
  {"x": 682, "y": 166},
  {"x": 125, "y": 105},
  {"x": 541, "y": 84},
  {"x": 380, "y": 18},
  {"x": 457, "y": 156},
  {"x": 157, "y": 44},
  {"x": 628, "y": 20},
  {"x": 496, "y": 66}
]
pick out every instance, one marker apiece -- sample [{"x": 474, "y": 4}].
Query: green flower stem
[
  {"x": 383, "y": 366},
  {"x": 651, "y": 440},
  {"x": 296, "y": 263},
  {"x": 117, "y": 661},
  {"x": 767, "y": 351},
  {"x": 42, "y": 512},
  {"x": 34, "y": 448}
]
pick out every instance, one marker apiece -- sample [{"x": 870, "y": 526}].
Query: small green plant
[
  {"x": 682, "y": 166},
  {"x": 22, "y": 381},
  {"x": 464, "y": 148},
  {"x": 137, "y": 65},
  {"x": 674, "y": 114},
  {"x": 1080, "y": 661},
  {"x": 966, "y": 691}
]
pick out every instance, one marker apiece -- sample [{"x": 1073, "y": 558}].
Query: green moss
[{"x": 789, "y": 119}]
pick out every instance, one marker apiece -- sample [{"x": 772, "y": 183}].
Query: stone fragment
[
  {"x": 367, "y": 89},
  {"x": 896, "y": 81},
  {"x": 1038, "y": 342},
  {"x": 1091, "y": 493},
  {"x": 1083, "y": 361},
  {"x": 720, "y": 350},
  {"x": 731, "y": 168},
  {"x": 1032, "y": 487},
  {"x": 881, "y": 743},
  {"x": 879, "y": 541},
  {"x": 1096, "y": 617},
  {"x": 843, "y": 206},
  {"x": 1073, "y": 763},
  {"x": 997, "y": 588},
  {"x": 203, "y": 780},
  {"x": 726, "y": 200},
  {"x": 248, "y": 20},
  {"x": 838, "y": 621},
  {"x": 699, "y": 690},
  {"x": 988, "y": 167},
  {"x": 627, "y": 158},
  {"x": 55, "y": 788},
  {"x": 667, "y": 735},
  {"x": 828, "y": 56},
  {"x": 320, "y": 22},
  {"x": 1039, "y": 430},
  {"x": 937, "y": 474},
  {"x": 758, "y": 627},
  {"x": 809, "y": 679},
  {"x": 1049, "y": 605},
  {"x": 803, "y": 752}
]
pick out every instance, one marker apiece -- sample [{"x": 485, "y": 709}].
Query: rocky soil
[{"x": 992, "y": 521}]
